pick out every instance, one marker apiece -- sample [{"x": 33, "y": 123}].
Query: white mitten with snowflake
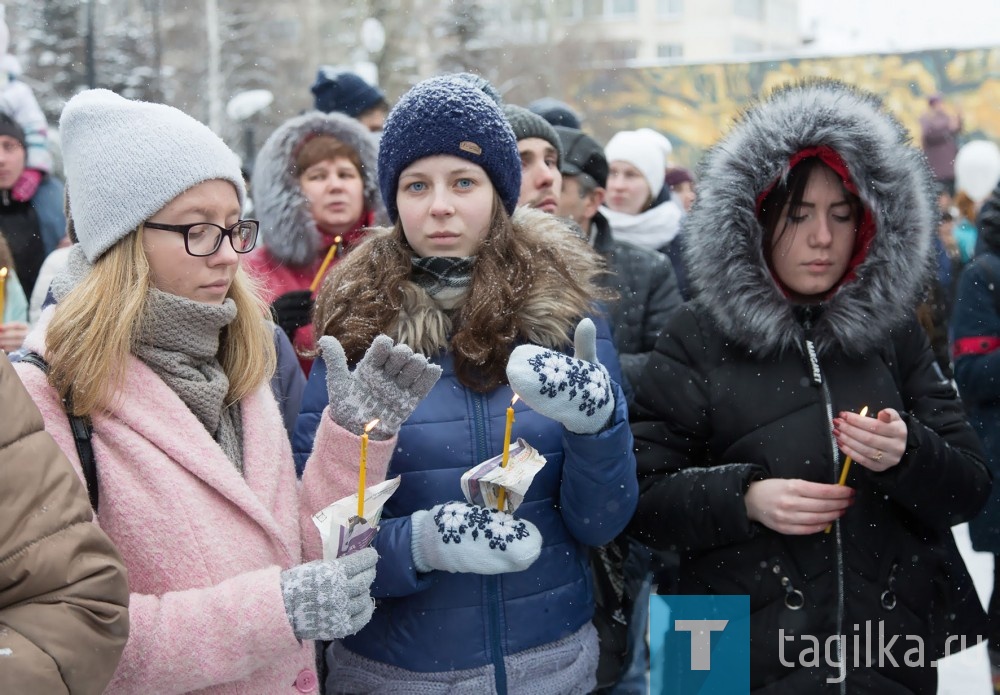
[
  {"x": 576, "y": 391},
  {"x": 463, "y": 537}
]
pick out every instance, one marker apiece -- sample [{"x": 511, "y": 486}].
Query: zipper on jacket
[
  {"x": 491, "y": 583},
  {"x": 816, "y": 373},
  {"x": 809, "y": 350},
  {"x": 840, "y": 548}
]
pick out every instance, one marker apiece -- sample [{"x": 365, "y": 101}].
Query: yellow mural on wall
[{"x": 694, "y": 104}]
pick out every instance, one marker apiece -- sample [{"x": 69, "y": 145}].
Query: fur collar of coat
[
  {"x": 731, "y": 279},
  {"x": 287, "y": 227}
]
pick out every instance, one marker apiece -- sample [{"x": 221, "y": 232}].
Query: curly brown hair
[{"x": 364, "y": 296}]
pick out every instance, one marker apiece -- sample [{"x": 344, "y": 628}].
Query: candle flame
[
  {"x": 337, "y": 239},
  {"x": 864, "y": 411},
  {"x": 371, "y": 425},
  {"x": 515, "y": 399},
  {"x": 3, "y": 273}
]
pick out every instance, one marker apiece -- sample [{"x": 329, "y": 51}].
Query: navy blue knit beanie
[
  {"x": 445, "y": 115},
  {"x": 341, "y": 91}
]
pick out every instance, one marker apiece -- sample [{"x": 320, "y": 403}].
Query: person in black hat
[
  {"x": 539, "y": 145},
  {"x": 647, "y": 297},
  {"x": 342, "y": 91}
]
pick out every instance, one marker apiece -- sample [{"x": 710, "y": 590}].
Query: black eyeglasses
[{"x": 205, "y": 238}]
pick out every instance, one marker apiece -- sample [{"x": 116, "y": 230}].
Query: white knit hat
[
  {"x": 124, "y": 160},
  {"x": 643, "y": 152}
]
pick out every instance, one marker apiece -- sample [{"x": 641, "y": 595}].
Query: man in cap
[
  {"x": 538, "y": 144},
  {"x": 342, "y": 91}
]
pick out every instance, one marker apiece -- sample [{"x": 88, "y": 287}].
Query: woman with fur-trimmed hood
[
  {"x": 809, "y": 245},
  {"x": 472, "y": 599},
  {"x": 314, "y": 187}
]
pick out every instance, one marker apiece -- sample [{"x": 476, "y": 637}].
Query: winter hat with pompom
[
  {"x": 124, "y": 160},
  {"x": 449, "y": 115}
]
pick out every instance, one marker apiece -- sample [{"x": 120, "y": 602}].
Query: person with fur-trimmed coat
[
  {"x": 159, "y": 342},
  {"x": 472, "y": 599},
  {"x": 808, "y": 250},
  {"x": 314, "y": 188}
]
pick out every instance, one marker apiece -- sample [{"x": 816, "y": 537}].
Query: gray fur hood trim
[
  {"x": 287, "y": 228},
  {"x": 732, "y": 282}
]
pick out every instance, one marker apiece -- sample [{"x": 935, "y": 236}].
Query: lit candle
[
  {"x": 3, "y": 288},
  {"x": 847, "y": 466},
  {"x": 364, "y": 466},
  {"x": 502, "y": 496},
  {"x": 326, "y": 264}
]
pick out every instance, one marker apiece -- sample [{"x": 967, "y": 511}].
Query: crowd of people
[{"x": 692, "y": 355}]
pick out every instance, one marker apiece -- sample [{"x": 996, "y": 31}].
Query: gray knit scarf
[{"x": 179, "y": 341}]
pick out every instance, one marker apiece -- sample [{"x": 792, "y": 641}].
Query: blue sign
[{"x": 699, "y": 645}]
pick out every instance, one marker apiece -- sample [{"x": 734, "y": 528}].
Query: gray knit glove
[
  {"x": 388, "y": 383},
  {"x": 576, "y": 391},
  {"x": 329, "y": 599},
  {"x": 462, "y": 537}
]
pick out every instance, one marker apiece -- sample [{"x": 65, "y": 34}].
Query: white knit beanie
[
  {"x": 124, "y": 160},
  {"x": 641, "y": 151}
]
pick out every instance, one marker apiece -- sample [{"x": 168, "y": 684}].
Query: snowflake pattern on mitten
[
  {"x": 461, "y": 537},
  {"x": 454, "y": 520},
  {"x": 558, "y": 372}
]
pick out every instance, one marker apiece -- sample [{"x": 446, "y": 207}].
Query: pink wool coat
[{"x": 204, "y": 545}]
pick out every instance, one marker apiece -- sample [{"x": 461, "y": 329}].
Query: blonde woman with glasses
[{"x": 158, "y": 351}]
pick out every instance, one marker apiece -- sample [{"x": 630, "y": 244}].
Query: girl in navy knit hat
[{"x": 470, "y": 599}]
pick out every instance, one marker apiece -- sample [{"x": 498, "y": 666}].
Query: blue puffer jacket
[{"x": 584, "y": 495}]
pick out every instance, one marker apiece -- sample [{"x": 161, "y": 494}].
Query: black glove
[{"x": 293, "y": 310}]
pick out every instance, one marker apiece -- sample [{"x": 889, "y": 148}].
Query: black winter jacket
[
  {"x": 647, "y": 296},
  {"x": 731, "y": 395}
]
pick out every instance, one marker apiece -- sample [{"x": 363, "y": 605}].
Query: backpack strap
[{"x": 82, "y": 433}]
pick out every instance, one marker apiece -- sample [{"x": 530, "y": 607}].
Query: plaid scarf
[{"x": 447, "y": 280}]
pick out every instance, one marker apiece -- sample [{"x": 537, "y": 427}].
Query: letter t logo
[{"x": 701, "y": 640}]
